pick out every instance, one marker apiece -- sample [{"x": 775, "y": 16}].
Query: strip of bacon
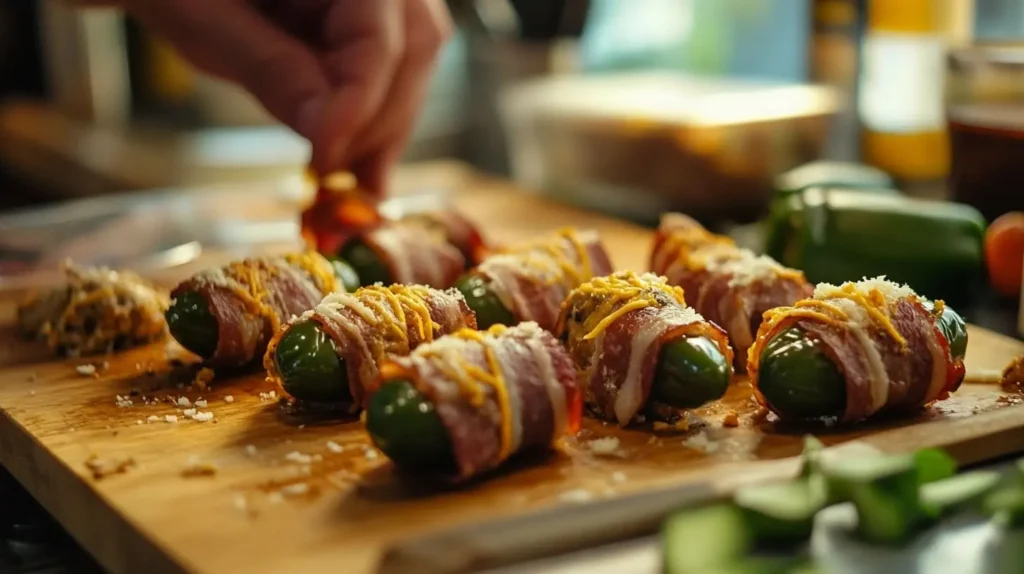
[
  {"x": 615, "y": 327},
  {"x": 730, "y": 286},
  {"x": 532, "y": 279},
  {"x": 457, "y": 231},
  {"x": 499, "y": 393},
  {"x": 416, "y": 254},
  {"x": 882, "y": 339},
  {"x": 251, "y": 297},
  {"x": 377, "y": 322}
]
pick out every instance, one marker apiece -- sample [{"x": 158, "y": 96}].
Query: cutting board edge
[{"x": 126, "y": 549}]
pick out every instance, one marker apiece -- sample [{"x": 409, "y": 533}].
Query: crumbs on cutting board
[
  {"x": 681, "y": 425},
  {"x": 607, "y": 446},
  {"x": 577, "y": 496},
  {"x": 104, "y": 467},
  {"x": 86, "y": 370},
  {"x": 195, "y": 467},
  {"x": 701, "y": 442}
]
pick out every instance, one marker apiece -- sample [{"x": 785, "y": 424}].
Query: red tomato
[{"x": 1004, "y": 253}]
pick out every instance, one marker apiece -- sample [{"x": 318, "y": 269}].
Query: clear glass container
[{"x": 985, "y": 114}]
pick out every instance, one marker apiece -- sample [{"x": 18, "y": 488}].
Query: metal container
[{"x": 637, "y": 144}]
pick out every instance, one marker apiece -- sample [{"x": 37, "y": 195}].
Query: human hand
[{"x": 349, "y": 75}]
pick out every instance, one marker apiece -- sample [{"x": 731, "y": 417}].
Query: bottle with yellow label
[{"x": 900, "y": 104}]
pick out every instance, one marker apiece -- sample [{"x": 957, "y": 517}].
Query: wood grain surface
[{"x": 253, "y": 490}]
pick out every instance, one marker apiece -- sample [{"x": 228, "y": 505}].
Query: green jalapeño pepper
[
  {"x": 836, "y": 235},
  {"x": 839, "y": 174}
]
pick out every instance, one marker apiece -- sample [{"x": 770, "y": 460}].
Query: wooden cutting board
[{"x": 315, "y": 498}]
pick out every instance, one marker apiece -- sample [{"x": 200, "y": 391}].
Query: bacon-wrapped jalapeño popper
[
  {"x": 422, "y": 249},
  {"x": 227, "y": 314},
  {"x": 431, "y": 247},
  {"x": 466, "y": 403},
  {"x": 331, "y": 353},
  {"x": 640, "y": 351},
  {"x": 856, "y": 350},
  {"x": 728, "y": 285},
  {"x": 528, "y": 282}
]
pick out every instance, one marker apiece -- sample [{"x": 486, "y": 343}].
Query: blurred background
[
  {"x": 632, "y": 107},
  {"x": 114, "y": 151},
  {"x": 92, "y": 104}
]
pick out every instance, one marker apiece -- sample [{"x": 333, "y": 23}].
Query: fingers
[
  {"x": 427, "y": 28},
  {"x": 363, "y": 45},
  {"x": 232, "y": 40}
]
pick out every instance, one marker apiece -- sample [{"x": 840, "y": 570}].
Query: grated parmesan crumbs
[
  {"x": 229, "y": 399},
  {"x": 604, "y": 446},
  {"x": 196, "y": 467},
  {"x": 171, "y": 418},
  {"x": 701, "y": 442},
  {"x": 371, "y": 454},
  {"x": 123, "y": 402},
  {"x": 268, "y": 396},
  {"x": 138, "y": 422},
  {"x": 152, "y": 419},
  {"x": 297, "y": 489},
  {"x": 335, "y": 447},
  {"x": 184, "y": 402},
  {"x": 576, "y": 496},
  {"x": 201, "y": 403},
  {"x": 203, "y": 416},
  {"x": 86, "y": 370},
  {"x": 298, "y": 457}
]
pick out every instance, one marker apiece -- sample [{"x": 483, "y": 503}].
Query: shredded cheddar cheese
[
  {"x": 600, "y": 302},
  {"x": 872, "y": 299},
  {"x": 394, "y": 314},
  {"x": 473, "y": 380},
  {"x": 687, "y": 245},
  {"x": 318, "y": 268},
  {"x": 552, "y": 262}
]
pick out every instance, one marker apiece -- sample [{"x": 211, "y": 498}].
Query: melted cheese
[
  {"x": 688, "y": 246},
  {"x": 596, "y": 305},
  {"x": 555, "y": 390},
  {"x": 318, "y": 268},
  {"x": 448, "y": 355},
  {"x": 559, "y": 259},
  {"x": 604, "y": 300},
  {"x": 874, "y": 296},
  {"x": 386, "y": 310},
  {"x": 630, "y": 397},
  {"x": 746, "y": 268},
  {"x": 862, "y": 307}
]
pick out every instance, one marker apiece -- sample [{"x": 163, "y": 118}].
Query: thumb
[{"x": 232, "y": 40}]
